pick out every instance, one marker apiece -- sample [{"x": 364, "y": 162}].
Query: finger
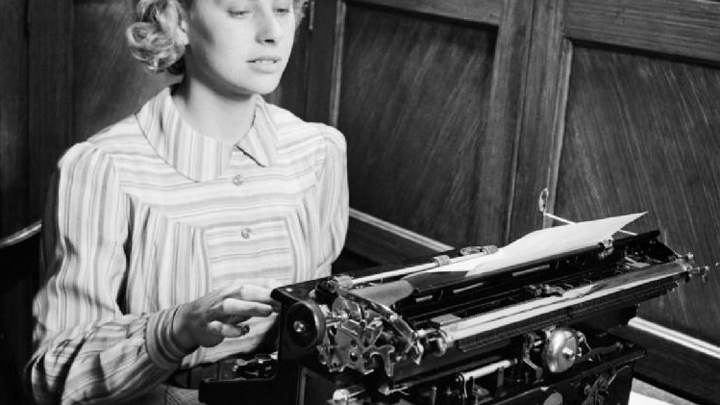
[
  {"x": 221, "y": 293},
  {"x": 218, "y": 328},
  {"x": 271, "y": 285},
  {"x": 214, "y": 328},
  {"x": 231, "y": 307},
  {"x": 234, "y": 331},
  {"x": 236, "y": 319},
  {"x": 251, "y": 292}
]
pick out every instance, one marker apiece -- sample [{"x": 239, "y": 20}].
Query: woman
[{"x": 165, "y": 232}]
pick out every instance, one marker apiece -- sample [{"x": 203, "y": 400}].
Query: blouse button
[
  {"x": 245, "y": 233},
  {"x": 238, "y": 180}
]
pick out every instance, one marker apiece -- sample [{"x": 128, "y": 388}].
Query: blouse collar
[{"x": 196, "y": 156}]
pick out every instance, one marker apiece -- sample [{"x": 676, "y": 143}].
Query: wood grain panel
[
  {"x": 108, "y": 83},
  {"x": 413, "y": 105},
  {"x": 642, "y": 135},
  {"x": 33, "y": 122},
  {"x": 15, "y": 212},
  {"x": 542, "y": 117},
  {"x": 49, "y": 36},
  {"x": 322, "y": 69},
  {"x": 13, "y": 118},
  {"x": 688, "y": 28},
  {"x": 485, "y": 12},
  {"x": 496, "y": 150}
]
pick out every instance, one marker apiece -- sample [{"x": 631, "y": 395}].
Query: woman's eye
[
  {"x": 282, "y": 10},
  {"x": 238, "y": 13}
]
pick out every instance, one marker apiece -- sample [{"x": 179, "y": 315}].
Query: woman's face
[{"x": 239, "y": 47}]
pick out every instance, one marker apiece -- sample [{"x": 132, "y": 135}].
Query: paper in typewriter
[{"x": 545, "y": 243}]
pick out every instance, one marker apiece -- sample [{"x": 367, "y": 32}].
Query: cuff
[{"x": 162, "y": 347}]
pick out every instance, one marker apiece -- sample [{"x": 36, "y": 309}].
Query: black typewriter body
[{"x": 536, "y": 333}]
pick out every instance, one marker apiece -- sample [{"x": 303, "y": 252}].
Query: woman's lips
[
  {"x": 265, "y": 60},
  {"x": 265, "y": 64}
]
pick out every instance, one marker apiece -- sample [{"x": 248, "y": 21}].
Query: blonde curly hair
[{"x": 153, "y": 36}]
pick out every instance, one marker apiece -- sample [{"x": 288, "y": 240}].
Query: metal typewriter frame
[{"x": 420, "y": 346}]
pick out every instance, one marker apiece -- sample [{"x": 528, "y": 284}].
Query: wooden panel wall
[
  {"x": 428, "y": 96},
  {"x": 666, "y": 29},
  {"x": 410, "y": 160},
  {"x": 34, "y": 90},
  {"x": 13, "y": 115},
  {"x": 650, "y": 145},
  {"x": 13, "y": 179},
  {"x": 626, "y": 119},
  {"x": 35, "y": 39},
  {"x": 49, "y": 39}
]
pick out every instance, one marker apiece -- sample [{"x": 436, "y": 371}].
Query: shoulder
[
  {"x": 122, "y": 137},
  {"x": 292, "y": 130},
  {"x": 101, "y": 149}
]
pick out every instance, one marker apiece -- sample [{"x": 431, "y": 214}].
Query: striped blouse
[{"x": 149, "y": 214}]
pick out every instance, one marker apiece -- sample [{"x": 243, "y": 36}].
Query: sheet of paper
[{"x": 545, "y": 243}]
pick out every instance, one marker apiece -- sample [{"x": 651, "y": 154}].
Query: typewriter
[{"x": 478, "y": 325}]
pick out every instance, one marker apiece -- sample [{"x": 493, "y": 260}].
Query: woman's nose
[{"x": 269, "y": 28}]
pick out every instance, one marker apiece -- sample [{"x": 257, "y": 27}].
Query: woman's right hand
[{"x": 210, "y": 319}]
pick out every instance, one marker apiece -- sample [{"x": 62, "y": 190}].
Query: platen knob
[{"x": 305, "y": 324}]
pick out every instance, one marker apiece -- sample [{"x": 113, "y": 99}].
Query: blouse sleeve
[
  {"x": 333, "y": 199},
  {"x": 86, "y": 349}
]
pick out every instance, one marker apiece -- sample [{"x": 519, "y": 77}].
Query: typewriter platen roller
[{"x": 530, "y": 333}]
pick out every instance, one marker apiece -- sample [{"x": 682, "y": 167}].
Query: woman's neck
[{"x": 226, "y": 120}]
